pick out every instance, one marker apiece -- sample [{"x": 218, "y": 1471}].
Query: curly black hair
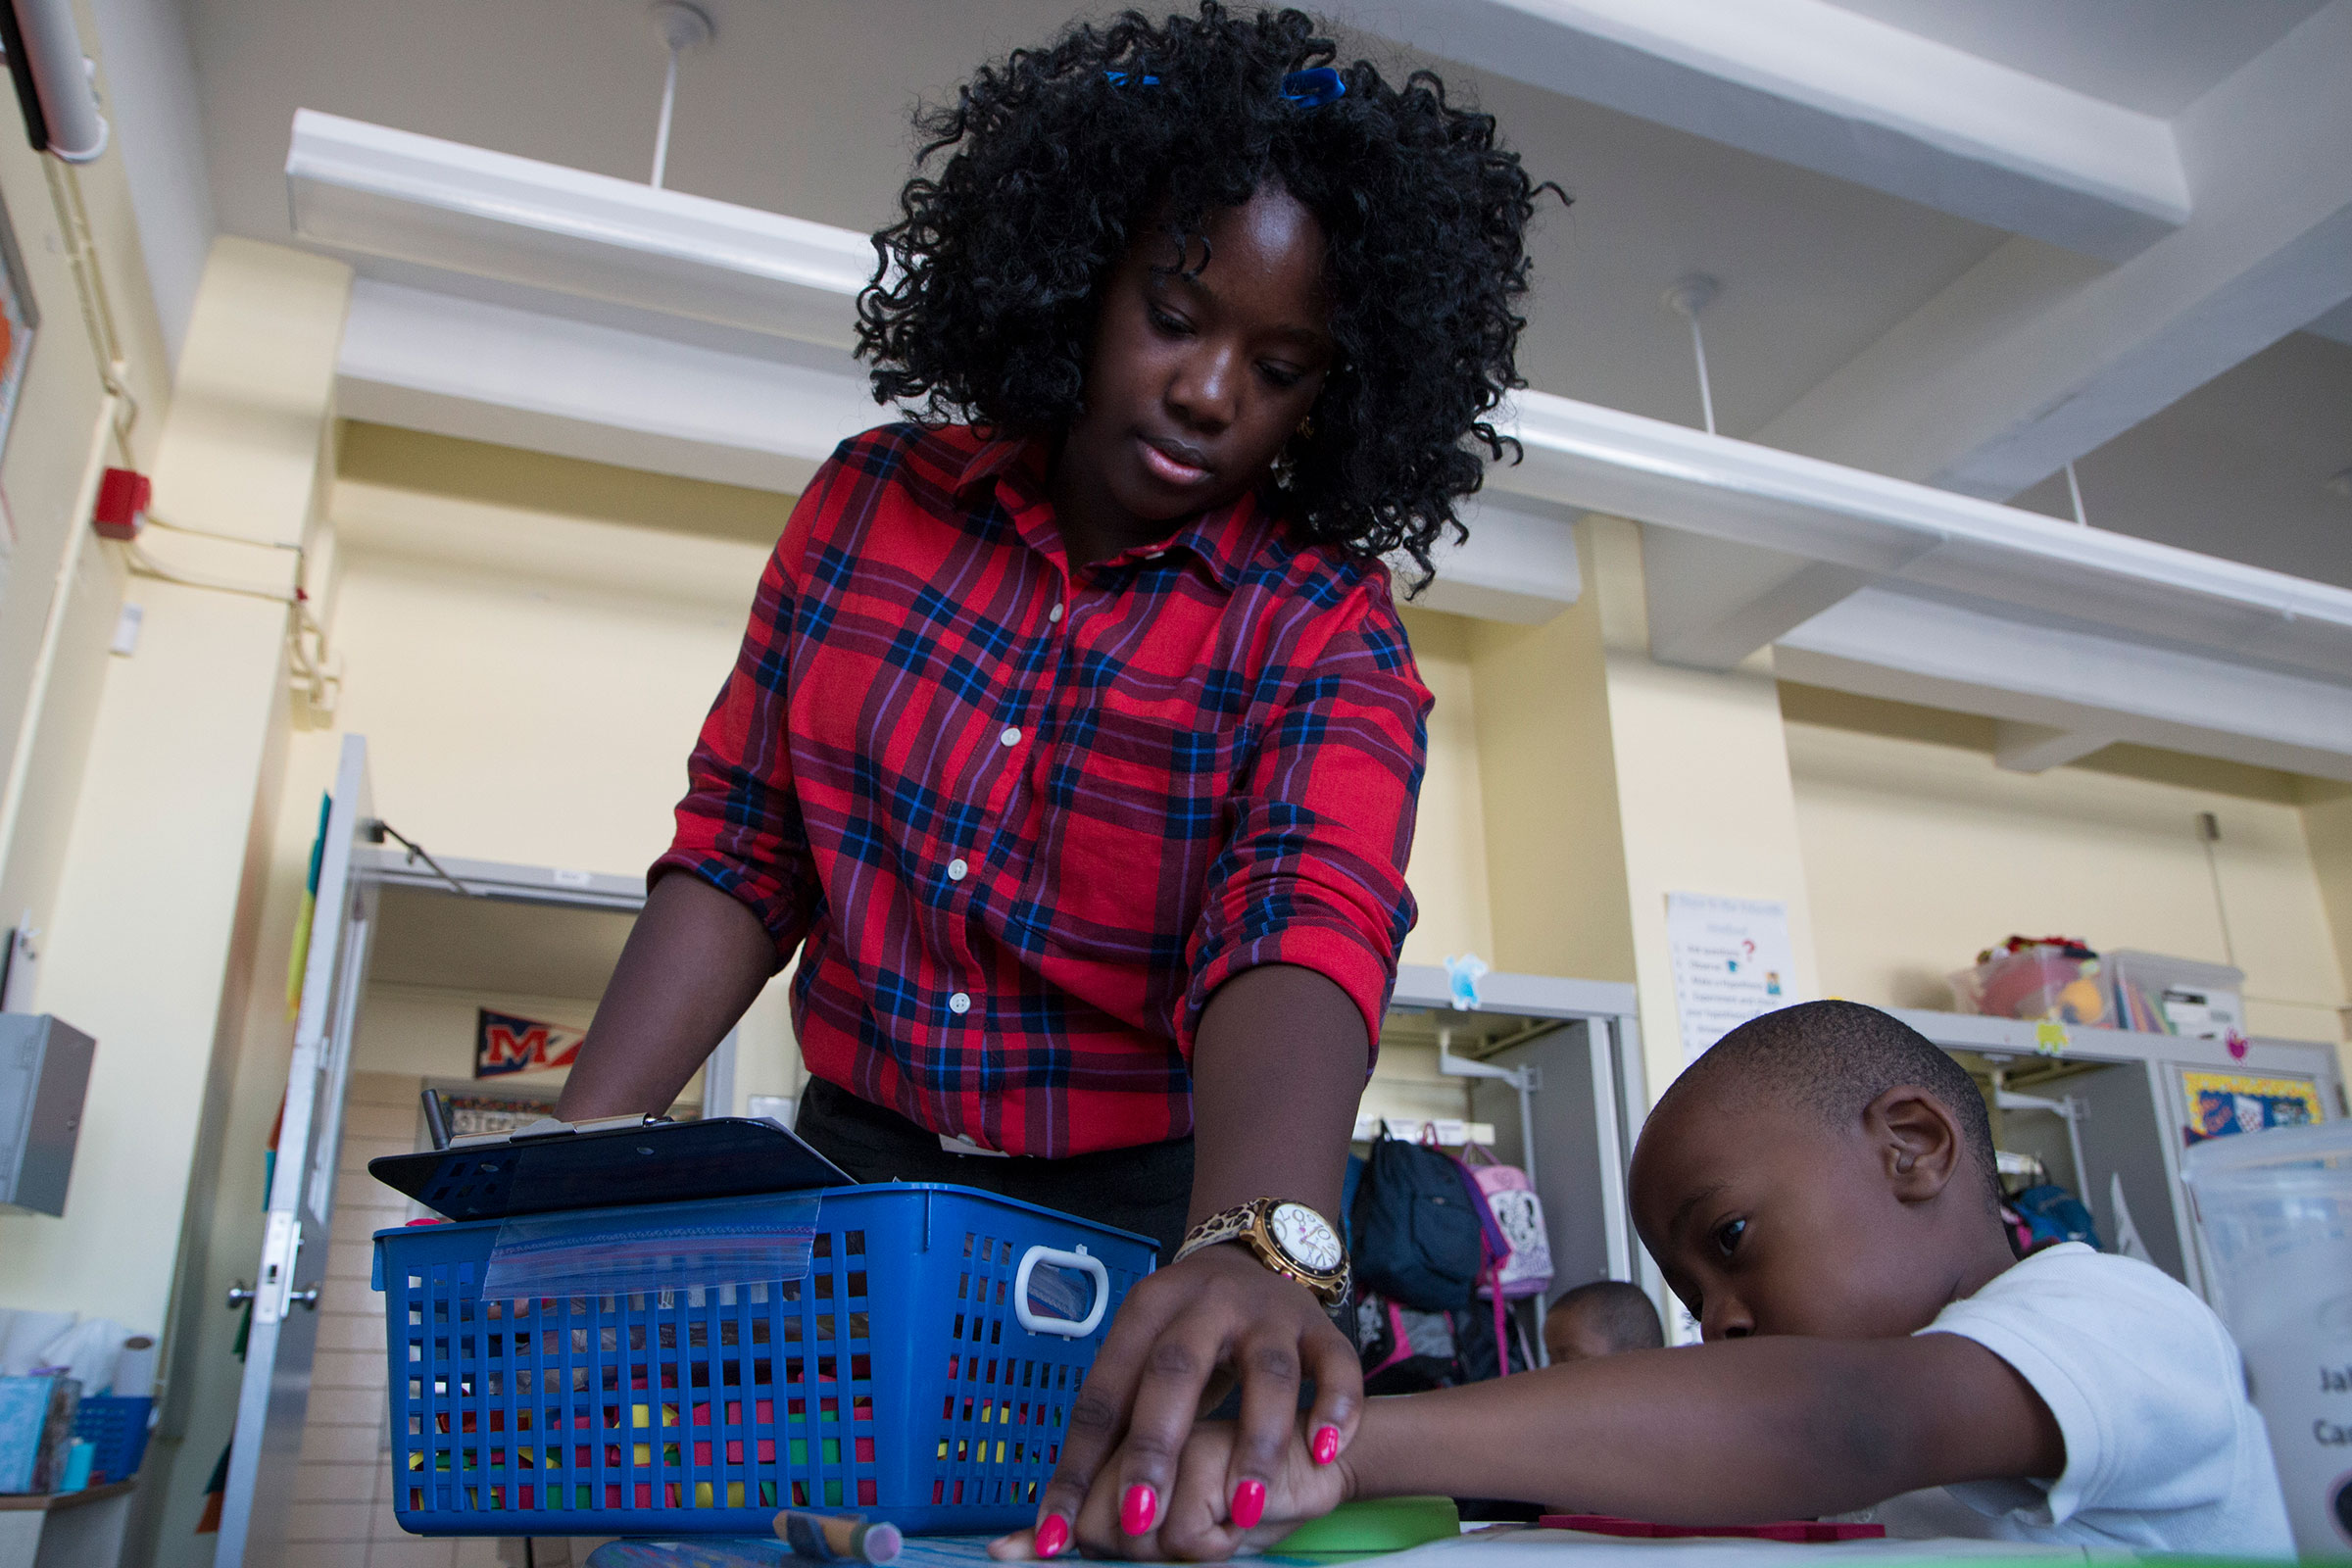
[{"x": 984, "y": 301}]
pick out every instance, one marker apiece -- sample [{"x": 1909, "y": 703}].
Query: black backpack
[{"x": 1418, "y": 1241}]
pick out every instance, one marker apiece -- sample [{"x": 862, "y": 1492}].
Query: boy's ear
[{"x": 1918, "y": 1142}]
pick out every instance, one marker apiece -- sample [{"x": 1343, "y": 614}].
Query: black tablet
[{"x": 554, "y": 1166}]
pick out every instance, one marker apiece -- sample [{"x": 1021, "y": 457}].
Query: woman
[{"x": 1075, "y": 745}]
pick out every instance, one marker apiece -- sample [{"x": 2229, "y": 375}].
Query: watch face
[{"x": 1302, "y": 1233}]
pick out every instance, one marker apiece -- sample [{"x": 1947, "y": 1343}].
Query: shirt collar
[{"x": 1222, "y": 539}]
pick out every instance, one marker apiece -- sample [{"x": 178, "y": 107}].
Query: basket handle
[{"x": 1090, "y": 1266}]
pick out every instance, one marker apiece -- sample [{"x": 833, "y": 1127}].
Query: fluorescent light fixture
[
  {"x": 391, "y": 193},
  {"x": 1603, "y": 460},
  {"x": 439, "y": 205}
]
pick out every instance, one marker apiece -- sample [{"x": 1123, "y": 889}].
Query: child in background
[
  {"x": 1820, "y": 1192},
  {"x": 1602, "y": 1317}
]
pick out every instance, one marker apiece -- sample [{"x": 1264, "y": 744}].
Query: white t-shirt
[{"x": 2163, "y": 1451}]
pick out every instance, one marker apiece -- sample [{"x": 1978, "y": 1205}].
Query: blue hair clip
[
  {"x": 1118, "y": 78},
  {"x": 1313, "y": 87}
]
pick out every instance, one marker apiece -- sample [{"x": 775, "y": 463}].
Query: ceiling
[
  {"x": 802, "y": 105},
  {"x": 2155, "y": 56},
  {"x": 2265, "y": 436},
  {"x": 802, "y": 108}
]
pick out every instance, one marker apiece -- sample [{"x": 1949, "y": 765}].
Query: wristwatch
[{"x": 1291, "y": 1239}]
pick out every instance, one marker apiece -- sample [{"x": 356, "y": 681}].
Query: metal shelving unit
[{"x": 2130, "y": 1107}]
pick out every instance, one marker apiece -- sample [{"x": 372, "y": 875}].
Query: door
[{"x": 277, "y": 1387}]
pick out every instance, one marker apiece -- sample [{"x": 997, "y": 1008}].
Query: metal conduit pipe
[{"x": 53, "y": 79}]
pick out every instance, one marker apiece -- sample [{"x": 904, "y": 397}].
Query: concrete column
[
  {"x": 2327, "y": 827},
  {"x": 1612, "y": 780}
]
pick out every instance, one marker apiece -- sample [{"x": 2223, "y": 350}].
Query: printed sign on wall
[
  {"x": 1732, "y": 962},
  {"x": 505, "y": 1043}
]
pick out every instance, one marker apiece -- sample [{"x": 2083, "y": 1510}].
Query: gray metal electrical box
[{"x": 44, "y": 1072}]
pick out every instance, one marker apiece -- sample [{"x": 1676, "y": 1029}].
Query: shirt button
[
  {"x": 1153, "y": 554},
  {"x": 955, "y": 870},
  {"x": 1010, "y": 737},
  {"x": 1054, "y": 613},
  {"x": 959, "y": 1003}
]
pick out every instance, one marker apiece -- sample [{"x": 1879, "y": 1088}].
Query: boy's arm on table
[
  {"x": 1740, "y": 1431},
  {"x": 1737, "y": 1432}
]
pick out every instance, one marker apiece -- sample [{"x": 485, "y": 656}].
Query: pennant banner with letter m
[{"x": 505, "y": 1043}]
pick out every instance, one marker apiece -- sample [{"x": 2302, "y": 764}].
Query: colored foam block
[{"x": 1376, "y": 1524}]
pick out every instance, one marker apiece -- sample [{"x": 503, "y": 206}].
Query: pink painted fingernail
[
  {"x": 1052, "y": 1536},
  {"x": 1137, "y": 1507},
  {"x": 1326, "y": 1444},
  {"x": 1249, "y": 1504}
]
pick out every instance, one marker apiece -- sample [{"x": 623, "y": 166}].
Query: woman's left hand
[{"x": 1180, "y": 1339}]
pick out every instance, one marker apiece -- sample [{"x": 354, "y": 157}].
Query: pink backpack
[{"x": 1526, "y": 1269}]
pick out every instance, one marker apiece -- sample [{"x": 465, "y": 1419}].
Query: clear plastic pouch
[{"x": 659, "y": 1246}]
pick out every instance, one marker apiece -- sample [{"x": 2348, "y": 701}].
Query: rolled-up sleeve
[
  {"x": 739, "y": 825},
  {"x": 1313, "y": 874}
]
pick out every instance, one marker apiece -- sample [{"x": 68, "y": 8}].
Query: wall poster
[{"x": 1732, "y": 962}]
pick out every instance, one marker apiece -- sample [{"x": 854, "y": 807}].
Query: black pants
[{"x": 1145, "y": 1190}]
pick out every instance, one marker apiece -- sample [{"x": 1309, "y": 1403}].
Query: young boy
[
  {"x": 1600, "y": 1317},
  {"x": 1818, "y": 1191}
]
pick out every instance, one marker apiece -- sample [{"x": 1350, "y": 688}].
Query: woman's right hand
[{"x": 1197, "y": 1523}]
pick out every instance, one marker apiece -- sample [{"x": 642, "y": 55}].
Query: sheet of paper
[{"x": 1732, "y": 962}]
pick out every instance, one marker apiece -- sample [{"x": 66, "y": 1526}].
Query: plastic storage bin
[
  {"x": 920, "y": 1372},
  {"x": 2054, "y": 979},
  {"x": 2274, "y": 1210},
  {"x": 117, "y": 1428}
]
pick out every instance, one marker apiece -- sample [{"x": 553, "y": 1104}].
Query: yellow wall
[
  {"x": 2327, "y": 829},
  {"x": 62, "y": 435},
  {"x": 1921, "y": 851},
  {"x": 148, "y": 916},
  {"x": 529, "y": 645},
  {"x": 1612, "y": 781},
  {"x": 1547, "y": 778},
  {"x": 1448, "y": 872}
]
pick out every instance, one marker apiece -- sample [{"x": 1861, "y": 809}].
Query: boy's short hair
[
  {"x": 1623, "y": 1313},
  {"x": 1833, "y": 1059}
]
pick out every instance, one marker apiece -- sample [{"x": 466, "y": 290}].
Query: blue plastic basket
[
  {"x": 117, "y": 1428},
  {"x": 895, "y": 1380}
]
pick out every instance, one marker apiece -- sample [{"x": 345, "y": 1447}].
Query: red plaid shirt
[{"x": 1026, "y": 820}]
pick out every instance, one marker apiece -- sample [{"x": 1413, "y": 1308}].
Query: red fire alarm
[{"x": 121, "y": 509}]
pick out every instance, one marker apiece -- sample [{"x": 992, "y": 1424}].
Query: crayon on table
[{"x": 829, "y": 1537}]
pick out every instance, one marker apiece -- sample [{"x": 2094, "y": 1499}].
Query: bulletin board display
[{"x": 2221, "y": 1104}]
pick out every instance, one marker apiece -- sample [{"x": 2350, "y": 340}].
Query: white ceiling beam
[
  {"x": 377, "y": 191},
  {"x": 2027, "y": 363},
  {"x": 2022, "y": 748},
  {"x": 1813, "y": 84},
  {"x": 1712, "y": 601},
  {"x": 422, "y": 359},
  {"x": 458, "y": 366},
  {"x": 1977, "y": 658},
  {"x": 1603, "y": 460},
  {"x": 2035, "y": 357},
  {"x": 1517, "y": 565}
]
